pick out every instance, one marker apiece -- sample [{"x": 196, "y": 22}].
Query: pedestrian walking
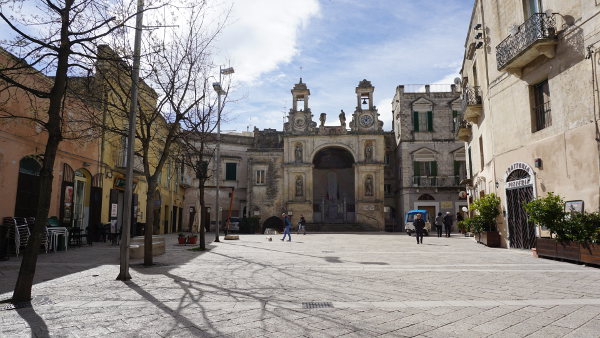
[
  {"x": 439, "y": 224},
  {"x": 288, "y": 227},
  {"x": 419, "y": 225},
  {"x": 301, "y": 225},
  {"x": 448, "y": 223}
]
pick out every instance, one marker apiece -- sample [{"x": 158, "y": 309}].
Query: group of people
[
  {"x": 441, "y": 223},
  {"x": 287, "y": 223}
]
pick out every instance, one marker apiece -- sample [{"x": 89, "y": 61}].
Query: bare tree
[
  {"x": 51, "y": 38},
  {"x": 175, "y": 69},
  {"x": 197, "y": 155}
]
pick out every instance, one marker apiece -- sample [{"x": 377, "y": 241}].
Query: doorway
[
  {"x": 333, "y": 186},
  {"x": 519, "y": 190},
  {"x": 28, "y": 187}
]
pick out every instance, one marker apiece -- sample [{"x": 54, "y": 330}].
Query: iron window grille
[{"x": 543, "y": 118}]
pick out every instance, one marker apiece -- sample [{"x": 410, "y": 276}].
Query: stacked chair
[{"x": 18, "y": 232}]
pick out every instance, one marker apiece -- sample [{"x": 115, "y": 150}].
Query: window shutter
[
  {"x": 429, "y": 121},
  {"x": 416, "y": 168},
  {"x": 433, "y": 168},
  {"x": 416, "y": 120}
]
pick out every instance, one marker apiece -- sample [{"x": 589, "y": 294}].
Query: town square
[{"x": 267, "y": 168}]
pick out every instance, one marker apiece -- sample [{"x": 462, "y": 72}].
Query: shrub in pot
[
  {"x": 181, "y": 239},
  {"x": 484, "y": 222}
]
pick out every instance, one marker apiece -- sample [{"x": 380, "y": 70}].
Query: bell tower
[
  {"x": 365, "y": 117},
  {"x": 299, "y": 117}
]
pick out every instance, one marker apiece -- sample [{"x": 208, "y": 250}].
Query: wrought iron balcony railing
[
  {"x": 471, "y": 96},
  {"x": 543, "y": 118},
  {"x": 463, "y": 130},
  {"x": 538, "y": 27},
  {"x": 437, "y": 181}
]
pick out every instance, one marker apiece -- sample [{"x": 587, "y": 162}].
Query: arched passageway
[{"x": 333, "y": 186}]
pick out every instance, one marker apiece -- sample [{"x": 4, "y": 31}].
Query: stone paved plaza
[{"x": 362, "y": 285}]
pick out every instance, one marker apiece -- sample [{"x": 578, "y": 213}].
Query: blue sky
[
  {"x": 332, "y": 45},
  {"x": 337, "y": 43}
]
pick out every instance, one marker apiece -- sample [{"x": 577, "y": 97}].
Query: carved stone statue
[
  {"x": 369, "y": 152},
  {"x": 369, "y": 186},
  {"x": 299, "y": 186},
  {"x": 343, "y": 119},
  {"x": 322, "y": 119},
  {"x": 298, "y": 152}
]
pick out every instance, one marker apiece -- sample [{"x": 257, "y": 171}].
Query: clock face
[
  {"x": 299, "y": 122},
  {"x": 366, "y": 120}
]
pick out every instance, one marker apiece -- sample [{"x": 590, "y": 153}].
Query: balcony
[
  {"x": 436, "y": 181},
  {"x": 185, "y": 181},
  {"x": 535, "y": 37},
  {"x": 464, "y": 132},
  {"x": 138, "y": 163},
  {"x": 472, "y": 103}
]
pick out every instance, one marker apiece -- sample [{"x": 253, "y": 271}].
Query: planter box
[
  {"x": 590, "y": 253},
  {"x": 489, "y": 238},
  {"x": 567, "y": 250},
  {"x": 545, "y": 247}
]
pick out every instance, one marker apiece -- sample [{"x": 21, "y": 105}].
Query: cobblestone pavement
[{"x": 318, "y": 285}]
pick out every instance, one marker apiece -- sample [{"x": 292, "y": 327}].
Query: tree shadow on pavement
[{"x": 36, "y": 323}]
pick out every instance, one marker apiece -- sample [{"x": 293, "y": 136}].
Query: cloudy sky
[{"x": 332, "y": 45}]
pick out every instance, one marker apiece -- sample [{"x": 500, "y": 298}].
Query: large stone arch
[
  {"x": 333, "y": 145},
  {"x": 334, "y": 184}
]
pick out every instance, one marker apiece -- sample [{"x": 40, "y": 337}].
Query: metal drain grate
[{"x": 316, "y": 305}]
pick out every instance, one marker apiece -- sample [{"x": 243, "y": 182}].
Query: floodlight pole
[{"x": 135, "y": 74}]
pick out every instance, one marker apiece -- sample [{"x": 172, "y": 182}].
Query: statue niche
[
  {"x": 369, "y": 152},
  {"x": 299, "y": 186},
  {"x": 369, "y": 185},
  {"x": 298, "y": 152}
]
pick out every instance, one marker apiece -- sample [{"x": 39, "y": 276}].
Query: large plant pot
[
  {"x": 192, "y": 240},
  {"x": 567, "y": 250},
  {"x": 545, "y": 247},
  {"x": 590, "y": 253},
  {"x": 489, "y": 238},
  {"x": 181, "y": 239}
]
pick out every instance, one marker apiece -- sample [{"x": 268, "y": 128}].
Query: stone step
[{"x": 338, "y": 227}]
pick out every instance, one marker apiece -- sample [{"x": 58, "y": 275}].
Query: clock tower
[
  {"x": 365, "y": 118},
  {"x": 300, "y": 117}
]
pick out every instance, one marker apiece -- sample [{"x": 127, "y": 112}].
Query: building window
[
  {"x": 386, "y": 159},
  {"x": 230, "y": 171},
  {"x": 387, "y": 189},
  {"x": 423, "y": 120},
  {"x": 460, "y": 171},
  {"x": 454, "y": 120},
  {"x": 470, "y": 163},
  {"x": 260, "y": 177},
  {"x": 541, "y": 106},
  {"x": 425, "y": 173}
]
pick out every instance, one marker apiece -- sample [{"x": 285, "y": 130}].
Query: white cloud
[{"x": 261, "y": 34}]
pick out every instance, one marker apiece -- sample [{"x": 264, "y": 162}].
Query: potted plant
[
  {"x": 487, "y": 209},
  {"x": 192, "y": 239},
  {"x": 181, "y": 238},
  {"x": 574, "y": 236}
]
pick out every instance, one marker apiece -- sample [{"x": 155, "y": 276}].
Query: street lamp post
[{"x": 219, "y": 90}]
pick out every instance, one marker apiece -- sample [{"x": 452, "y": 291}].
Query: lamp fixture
[{"x": 217, "y": 87}]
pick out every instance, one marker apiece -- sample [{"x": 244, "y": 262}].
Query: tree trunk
[
  {"x": 149, "y": 229},
  {"x": 22, "y": 292}
]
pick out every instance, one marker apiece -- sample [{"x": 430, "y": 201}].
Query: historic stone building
[
  {"x": 530, "y": 113},
  {"x": 430, "y": 162},
  {"x": 328, "y": 174}
]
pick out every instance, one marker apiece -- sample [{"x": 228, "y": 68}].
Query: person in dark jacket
[
  {"x": 419, "y": 224},
  {"x": 439, "y": 224},
  {"x": 288, "y": 227},
  {"x": 448, "y": 223}
]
